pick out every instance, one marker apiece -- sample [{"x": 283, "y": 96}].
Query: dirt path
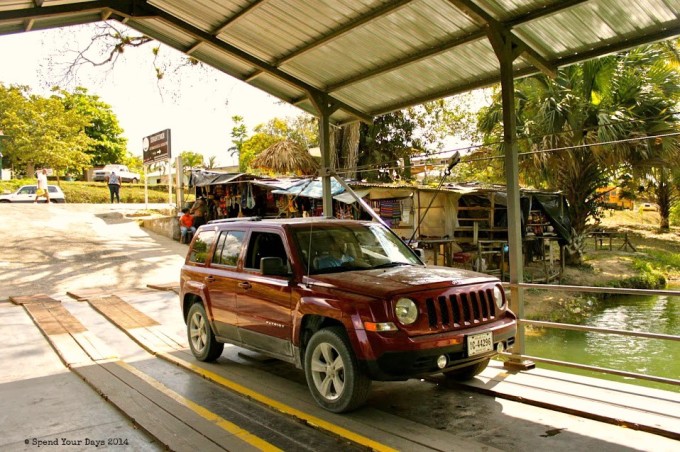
[{"x": 56, "y": 248}]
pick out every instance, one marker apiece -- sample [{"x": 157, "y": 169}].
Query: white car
[
  {"x": 121, "y": 170},
  {"x": 27, "y": 194}
]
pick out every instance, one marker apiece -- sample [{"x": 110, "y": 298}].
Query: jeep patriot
[{"x": 347, "y": 301}]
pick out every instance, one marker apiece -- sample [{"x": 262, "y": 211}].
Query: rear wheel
[
  {"x": 333, "y": 374},
  {"x": 468, "y": 372},
  {"x": 202, "y": 341}
]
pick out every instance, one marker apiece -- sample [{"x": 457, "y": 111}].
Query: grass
[{"x": 96, "y": 192}]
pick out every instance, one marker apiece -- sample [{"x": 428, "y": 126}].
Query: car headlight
[
  {"x": 406, "y": 311},
  {"x": 498, "y": 297}
]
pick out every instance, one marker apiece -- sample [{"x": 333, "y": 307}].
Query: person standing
[
  {"x": 200, "y": 211},
  {"x": 114, "y": 182},
  {"x": 42, "y": 189}
]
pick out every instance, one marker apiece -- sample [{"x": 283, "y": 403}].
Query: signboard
[{"x": 156, "y": 147}]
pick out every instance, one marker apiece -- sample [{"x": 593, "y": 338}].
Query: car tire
[
  {"x": 202, "y": 341},
  {"x": 467, "y": 372},
  {"x": 134, "y": 180},
  {"x": 333, "y": 375}
]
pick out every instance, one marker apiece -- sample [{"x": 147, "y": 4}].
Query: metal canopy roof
[{"x": 369, "y": 56}]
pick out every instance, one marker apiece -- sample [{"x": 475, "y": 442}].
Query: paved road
[{"x": 58, "y": 247}]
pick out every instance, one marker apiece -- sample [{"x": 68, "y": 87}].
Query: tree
[
  {"x": 239, "y": 133},
  {"x": 416, "y": 130},
  {"x": 43, "y": 132},
  {"x": 212, "y": 162},
  {"x": 653, "y": 160},
  {"x": 110, "y": 41},
  {"x": 107, "y": 142},
  {"x": 191, "y": 159},
  {"x": 583, "y": 127}
]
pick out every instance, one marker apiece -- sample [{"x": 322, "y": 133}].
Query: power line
[
  {"x": 375, "y": 168},
  {"x": 534, "y": 137}
]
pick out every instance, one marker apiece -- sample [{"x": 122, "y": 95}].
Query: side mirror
[
  {"x": 272, "y": 266},
  {"x": 420, "y": 253}
]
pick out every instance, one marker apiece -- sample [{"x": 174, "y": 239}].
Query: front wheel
[
  {"x": 467, "y": 372},
  {"x": 332, "y": 371},
  {"x": 202, "y": 341},
  {"x": 134, "y": 181}
]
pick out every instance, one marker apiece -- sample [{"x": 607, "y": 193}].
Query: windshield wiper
[{"x": 391, "y": 264}]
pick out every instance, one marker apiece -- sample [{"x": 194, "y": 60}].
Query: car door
[
  {"x": 25, "y": 194},
  {"x": 264, "y": 302},
  {"x": 223, "y": 284}
]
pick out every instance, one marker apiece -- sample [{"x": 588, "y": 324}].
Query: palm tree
[
  {"x": 191, "y": 159},
  {"x": 572, "y": 128}
]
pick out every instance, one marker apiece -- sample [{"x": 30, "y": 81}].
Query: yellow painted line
[
  {"x": 230, "y": 427},
  {"x": 283, "y": 408}
]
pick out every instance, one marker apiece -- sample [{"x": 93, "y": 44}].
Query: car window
[
  {"x": 26, "y": 191},
  {"x": 52, "y": 189},
  {"x": 264, "y": 244},
  {"x": 332, "y": 248},
  {"x": 201, "y": 247},
  {"x": 228, "y": 248}
]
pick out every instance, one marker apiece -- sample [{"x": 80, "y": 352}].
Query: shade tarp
[
  {"x": 202, "y": 178},
  {"x": 347, "y": 197}
]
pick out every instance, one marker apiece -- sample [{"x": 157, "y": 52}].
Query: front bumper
[{"x": 401, "y": 364}]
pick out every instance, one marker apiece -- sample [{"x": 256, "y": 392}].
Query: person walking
[
  {"x": 114, "y": 182},
  {"x": 42, "y": 189}
]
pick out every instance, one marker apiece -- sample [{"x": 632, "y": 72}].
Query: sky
[{"x": 195, "y": 104}]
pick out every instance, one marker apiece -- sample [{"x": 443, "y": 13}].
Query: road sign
[{"x": 156, "y": 147}]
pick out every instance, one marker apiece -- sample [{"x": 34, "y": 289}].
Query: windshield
[{"x": 333, "y": 248}]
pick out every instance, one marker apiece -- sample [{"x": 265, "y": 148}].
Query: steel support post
[
  {"x": 503, "y": 46},
  {"x": 325, "y": 109}
]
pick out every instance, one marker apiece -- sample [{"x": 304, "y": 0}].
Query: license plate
[{"x": 479, "y": 343}]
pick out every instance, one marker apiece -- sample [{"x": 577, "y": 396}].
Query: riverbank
[{"x": 657, "y": 256}]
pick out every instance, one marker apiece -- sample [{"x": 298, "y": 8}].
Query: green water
[{"x": 652, "y": 314}]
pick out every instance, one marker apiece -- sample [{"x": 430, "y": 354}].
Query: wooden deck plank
[
  {"x": 121, "y": 313},
  {"x": 149, "y": 341},
  {"x": 173, "y": 287},
  {"x": 165, "y": 427},
  {"x": 212, "y": 431},
  {"x": 172, "y": 342},
  {"x": 94, "y": 347},
  {"x": 70, "y": 352},
  {"x": 620, "y": 406},
  {"x": 596, "y": 390}
]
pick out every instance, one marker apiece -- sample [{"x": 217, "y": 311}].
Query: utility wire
[{"x": 376, "y": 168}]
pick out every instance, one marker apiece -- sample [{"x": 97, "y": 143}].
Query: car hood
[{"x": 398, "y": 280}]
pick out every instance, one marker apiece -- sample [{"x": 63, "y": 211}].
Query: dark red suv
[{"x": 347, "y": 301}]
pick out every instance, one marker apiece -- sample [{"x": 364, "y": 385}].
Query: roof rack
[{"x": 231, "y": 220}]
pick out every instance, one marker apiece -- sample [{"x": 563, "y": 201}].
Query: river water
[{"x": 652, "y": 314}]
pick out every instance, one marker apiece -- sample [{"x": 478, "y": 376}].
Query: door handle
[
  {"x": 210, "y": 279},
  {"x": 244, "y": 285}
]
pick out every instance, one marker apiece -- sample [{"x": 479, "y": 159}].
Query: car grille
[{"x": 460, "y": 309}]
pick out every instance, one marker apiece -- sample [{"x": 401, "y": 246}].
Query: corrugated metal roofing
[{"x": 369, "y": 56}]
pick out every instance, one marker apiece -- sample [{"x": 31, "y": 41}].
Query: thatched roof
[{"x": 286, "y": 157}]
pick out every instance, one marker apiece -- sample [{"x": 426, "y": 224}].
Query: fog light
[
  {"x": 442, "y": 361},
  {"x": 500, "y": 348}
]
